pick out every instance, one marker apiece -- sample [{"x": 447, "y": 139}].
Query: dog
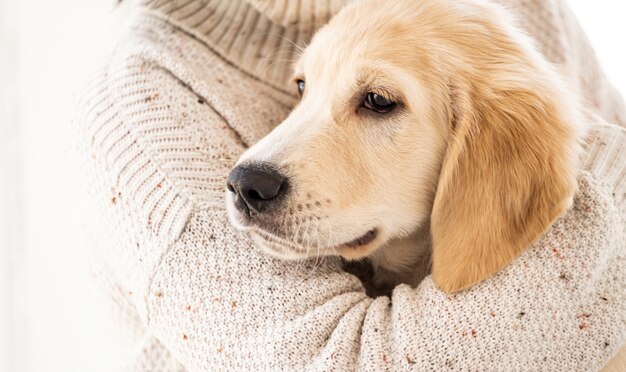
[{"x": 429, "y": 135}]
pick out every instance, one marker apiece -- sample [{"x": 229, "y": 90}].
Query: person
[{"x": 190, "y": 86}]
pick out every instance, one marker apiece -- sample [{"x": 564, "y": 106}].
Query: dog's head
[{"x": 414, "y": 112}]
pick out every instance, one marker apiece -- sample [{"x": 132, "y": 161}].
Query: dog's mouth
[{"x": 365, "y": 239}]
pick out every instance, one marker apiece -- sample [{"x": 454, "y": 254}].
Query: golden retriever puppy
[{"x": 424, "y": 127}]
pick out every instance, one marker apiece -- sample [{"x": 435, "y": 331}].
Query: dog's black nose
[{"x": 255, "y": 185}]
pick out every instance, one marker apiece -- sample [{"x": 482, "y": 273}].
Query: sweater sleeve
[
  {"x": 157, "y": 152},
  {"x": 161, "y": 135}
]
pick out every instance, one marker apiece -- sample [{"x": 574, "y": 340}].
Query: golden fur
[{"x": 475, "y": 163}]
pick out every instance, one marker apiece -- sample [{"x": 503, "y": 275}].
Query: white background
[{"x": 47, "y": 50}]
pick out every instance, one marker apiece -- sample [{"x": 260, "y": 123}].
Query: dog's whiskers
[
  {"x": 300, "y": 264},
  {"x": 317, "y": 262}
]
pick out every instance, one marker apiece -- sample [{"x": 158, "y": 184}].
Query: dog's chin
[
  {"x": 287, "y": 250},
  {"x": 277, "y": 249}
]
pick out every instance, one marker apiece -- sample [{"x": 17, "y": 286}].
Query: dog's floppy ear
[{"x": 507, "y": 175}]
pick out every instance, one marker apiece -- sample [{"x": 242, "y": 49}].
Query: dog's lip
[{"x": 364, "y": 239}]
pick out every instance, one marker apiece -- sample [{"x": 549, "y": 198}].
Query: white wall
[
  {"x": 54, "y": 325},
  {"x": 605, "y": 24},
  {"x": 9, "y": 165}
]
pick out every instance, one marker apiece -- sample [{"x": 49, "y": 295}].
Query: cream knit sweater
[{"x": 192, "y": 84}]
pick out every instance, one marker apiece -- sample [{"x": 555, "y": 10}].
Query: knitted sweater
[{"x": 191, "y": 85}]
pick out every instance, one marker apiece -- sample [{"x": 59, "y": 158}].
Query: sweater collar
[{"x": 260, "y": 37}]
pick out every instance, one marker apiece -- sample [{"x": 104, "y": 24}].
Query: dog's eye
[
  {"x": 378, "y": 103},
  {"x": 300, "y": 84}
]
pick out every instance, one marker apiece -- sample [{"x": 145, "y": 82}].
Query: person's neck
[{"x": 259, "y": 37}]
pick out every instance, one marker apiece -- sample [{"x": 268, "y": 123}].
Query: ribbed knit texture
[{"x": 195, "y": 82}]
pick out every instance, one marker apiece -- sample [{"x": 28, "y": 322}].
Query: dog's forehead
[
  {"x": 339, "y": 42},
  {"x": 334, "y": 60},
  {"x": 362, "y": 36}
]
